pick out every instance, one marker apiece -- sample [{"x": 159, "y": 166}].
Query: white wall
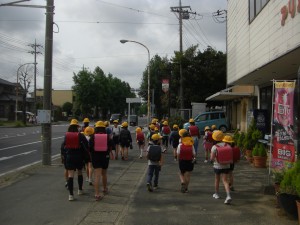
[{"x": 250, "y": 46}]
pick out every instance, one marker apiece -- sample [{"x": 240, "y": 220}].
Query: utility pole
[
  {"x": 183, "y": 12},
  {"x": 34, "y": 46}
]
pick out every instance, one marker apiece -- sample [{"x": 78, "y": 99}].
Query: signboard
[
  {"x": 165, "y": 85},
  {"x": 43, "y": 116},
  {"x": 133, "y": 100},
  {"x": 261, "y": 119},
  {"x": 283, "y": 120}
]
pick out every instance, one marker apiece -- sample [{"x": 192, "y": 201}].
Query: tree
[{"x": 67, "y": 107}]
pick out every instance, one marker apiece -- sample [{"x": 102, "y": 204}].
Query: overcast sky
[{"x": 89, "y": 34}]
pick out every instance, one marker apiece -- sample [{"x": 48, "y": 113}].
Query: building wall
[
  {"x": 59, "y": 97},
  {"x": 250, "y": 46}
]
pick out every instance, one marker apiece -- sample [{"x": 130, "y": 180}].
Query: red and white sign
[{"x": 165, "y": 85}]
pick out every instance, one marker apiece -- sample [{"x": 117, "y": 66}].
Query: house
[{"x": 263, "y": 44}]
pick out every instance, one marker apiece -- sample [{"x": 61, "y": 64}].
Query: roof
[
  {"x": 6, "y": 82},
  {"x": 228, "y": 95}
]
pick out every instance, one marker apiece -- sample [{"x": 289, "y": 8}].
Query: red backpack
[
  {"x": 100, "y": 142},
  {"x": 186, "y": 152},
  {"x": 224, "y": 154},
  {"x": 236, "y": 154},
  {"x": 166, "y": 130},
  {"x": 72, "y": 140},
  {"x": 140, "y": 136}
]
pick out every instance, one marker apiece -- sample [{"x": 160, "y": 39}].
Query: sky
[{"x": 87, "y": 35}]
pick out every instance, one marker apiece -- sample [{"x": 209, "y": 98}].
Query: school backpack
[
  {"x": 209, "y": 137},
  {"x": 72, "y": 140},
  {"x": 186, "y": 152},
  {"x": 140, "y": 136},
  {"x": 100, "y": 143},
  {"x": 236, "y": 154},
  {"x": 154, "y": 153},
  {"x": 124, "y": 136},
  {"x": 224, "y": 154},
  {"x": 194, "y": 131},
  {"x": 166, "y": 130}
]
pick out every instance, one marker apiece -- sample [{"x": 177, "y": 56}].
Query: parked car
[
  {"x": 217, "y": 118},
  {"x": 133, "y": 120},
  {"x": 115, "y": 116}
]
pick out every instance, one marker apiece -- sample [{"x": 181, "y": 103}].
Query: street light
[
  {"x": 17, "y": 90},
  {"x": 148, "y": 101}
]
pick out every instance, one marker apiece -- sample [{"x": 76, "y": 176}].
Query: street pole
[
  {"x": 148, "y": 100},
  {"x": 46, "y": 127},
  {"x": 17, "y": 89},
  {"x": 298, "y": 115}
]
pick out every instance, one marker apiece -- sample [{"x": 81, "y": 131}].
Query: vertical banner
[
  {"x": 165, "y": 85},
  {"x": 283, "y": 151}
]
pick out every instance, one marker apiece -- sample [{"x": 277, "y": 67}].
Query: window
[
  {"x": 255, "y": 6},
  {"x": 2, "y": 111},
  {"x": 214, "y": 116}
]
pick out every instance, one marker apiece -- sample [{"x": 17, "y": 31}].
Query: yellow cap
[
  {"x": 228, "y": 139},
  {"x": 213, "y": 127},
  {"x": 88, "y": 131},
  {"x": 116, "y": 121},
  {"x": 191, "y": 120},
  {"x": 152, "y": 127},
  {"x": 175, "y": 126},
  {"x": 106, "y": 123},
  {"x": 124, "y": 124},
  {"x": 138, "y": 129},
  {"x": 156, "y": 128},
  {"x": 182, "y": 131},
  {"x": 100, "y": 124},
  {"x": 155, "y": 137},
  {"x": 206, "y": 128},
  {"x": 86, "y": 120},
  {"x": 218, "y": 135},
  {"x": 74, "y": 122},
  {"x": 165, "y": 123}
]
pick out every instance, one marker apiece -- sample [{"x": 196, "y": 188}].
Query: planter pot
[
  {"x": 288, "y": 203},
  {"x": 277, "y": 191},
  {"x": 259, "y": 161},
  {"x": 248, "y": 154}
]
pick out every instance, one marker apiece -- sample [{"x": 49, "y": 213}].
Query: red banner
[
  {"x": 283, "y": 134},
  {"x": 165, "y": 85}
]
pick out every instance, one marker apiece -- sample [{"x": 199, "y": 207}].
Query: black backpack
[
  {"x": 124, "y": 136},
  {"x": 154, "y": 153}
]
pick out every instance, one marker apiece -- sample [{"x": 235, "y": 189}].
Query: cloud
[{"x": 90, "y": 33}]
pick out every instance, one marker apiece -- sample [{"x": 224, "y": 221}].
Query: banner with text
[{"x": 283, "y": 121}]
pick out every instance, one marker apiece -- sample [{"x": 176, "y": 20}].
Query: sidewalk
[{"x": 38, "y": 197}]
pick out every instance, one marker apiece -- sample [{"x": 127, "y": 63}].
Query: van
[
  {"x": 115, "y": 116},
  {"x": 133, "y": 120},
  {"x": 217, "y": 118}
]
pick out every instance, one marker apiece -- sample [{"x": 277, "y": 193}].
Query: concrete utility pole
[
  {"x": 34, "y": 46},
  {"x": 298, "y": 114},
  {"x": 183, "y": 14},
  {"x": 47, "y": 101}
]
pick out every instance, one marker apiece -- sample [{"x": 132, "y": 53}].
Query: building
[
  {"x": 59, "y": 97},
  {"x": 263, "y": 44}
]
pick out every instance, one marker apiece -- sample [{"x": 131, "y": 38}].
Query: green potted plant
[
  {"x": 290, "y": 190},
  {"x": 259, "y": 154}
]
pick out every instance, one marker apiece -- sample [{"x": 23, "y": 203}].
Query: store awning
[{"x": 228, "y": 95}]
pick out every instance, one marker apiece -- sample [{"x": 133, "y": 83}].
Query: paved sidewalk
[{"x": 37, "y": 196}]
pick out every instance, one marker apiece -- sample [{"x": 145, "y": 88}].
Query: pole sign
[
  {"x": 165, "y": 85},
  {"x": 283, "y": 121},
  {"x": 133, "y": 100}
]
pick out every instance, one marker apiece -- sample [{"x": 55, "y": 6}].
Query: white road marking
[
  {"x": 31, "y": 143},
  {"x": 13, "y": 156}
]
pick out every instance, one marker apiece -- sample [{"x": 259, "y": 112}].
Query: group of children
[
  {"x": 183, "y": 143},
  {"x": 94, "y": 146}
]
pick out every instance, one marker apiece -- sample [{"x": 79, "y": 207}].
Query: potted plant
[
  {"x": 277, "y": 178},
  {"x": 259, "y": 154},
  {"x": 290, "y": 190}
]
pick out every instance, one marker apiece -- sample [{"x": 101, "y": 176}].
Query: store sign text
[{"x": 290, "y": 8}]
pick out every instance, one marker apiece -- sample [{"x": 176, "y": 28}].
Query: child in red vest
[
  {"x": 207, "y": 142},
  {"x": 140, "y": 140}
]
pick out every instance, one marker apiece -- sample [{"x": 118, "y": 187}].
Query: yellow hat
[
  {"x": 74, "y": 122},
  {"x": 175, "y": 126},
  {"x": 156, "y": 128},
  {"x": 100, "y": 124},
  {"x": 182, "y": 131},
  {"x": 165, "y": 123},
  {"x": 228, "y": 139},
  {"x": 213, "y": 127},
  {"x": 116, "y": 121},
  {"x": 206, "y": 128},
  {"x": 124, "y": 124},
  {"x": 138, "y": 129},
  {"x": 86, "y": 120},
  {"x": 88, "y": 131},
  {"x": 218, "y": 135},
  {"x": 153, "y": 121},
  {"x": 106, "y": 123},
  {"x": 191, "y": 120},
  {"x": 152, "y": 126},
  {"x": 155, "y": 137}
]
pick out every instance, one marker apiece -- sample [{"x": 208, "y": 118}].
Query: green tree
[{"x": 67, "y": 107}]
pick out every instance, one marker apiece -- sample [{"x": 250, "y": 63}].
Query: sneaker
[
  {"x": 155, "y": 187},
  {"x": 183, "y": 188},
  {"x": 141, "y": 157},
  {"x": 98, "y": 197},
  {"x": 91, "y": 183},
  {"x": 227, "y": 200},
  {"x": 149, "y": 187},
  {"x": 232, "y": 188},
  {"x": 205, "y": 161},
  {"x": 123, "y": 158},
  {"x": 66, "y": 184},
  {"x": 87, "y": 179},
  {"x": 71, "y": 198},
  {"x": 186, "y": 190},
  {"x": 216, "y": 196},
  {"x": 80, "y": 192},
  {"x": 105, "y": 191},
  {"x": 175, "y": 159}
]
